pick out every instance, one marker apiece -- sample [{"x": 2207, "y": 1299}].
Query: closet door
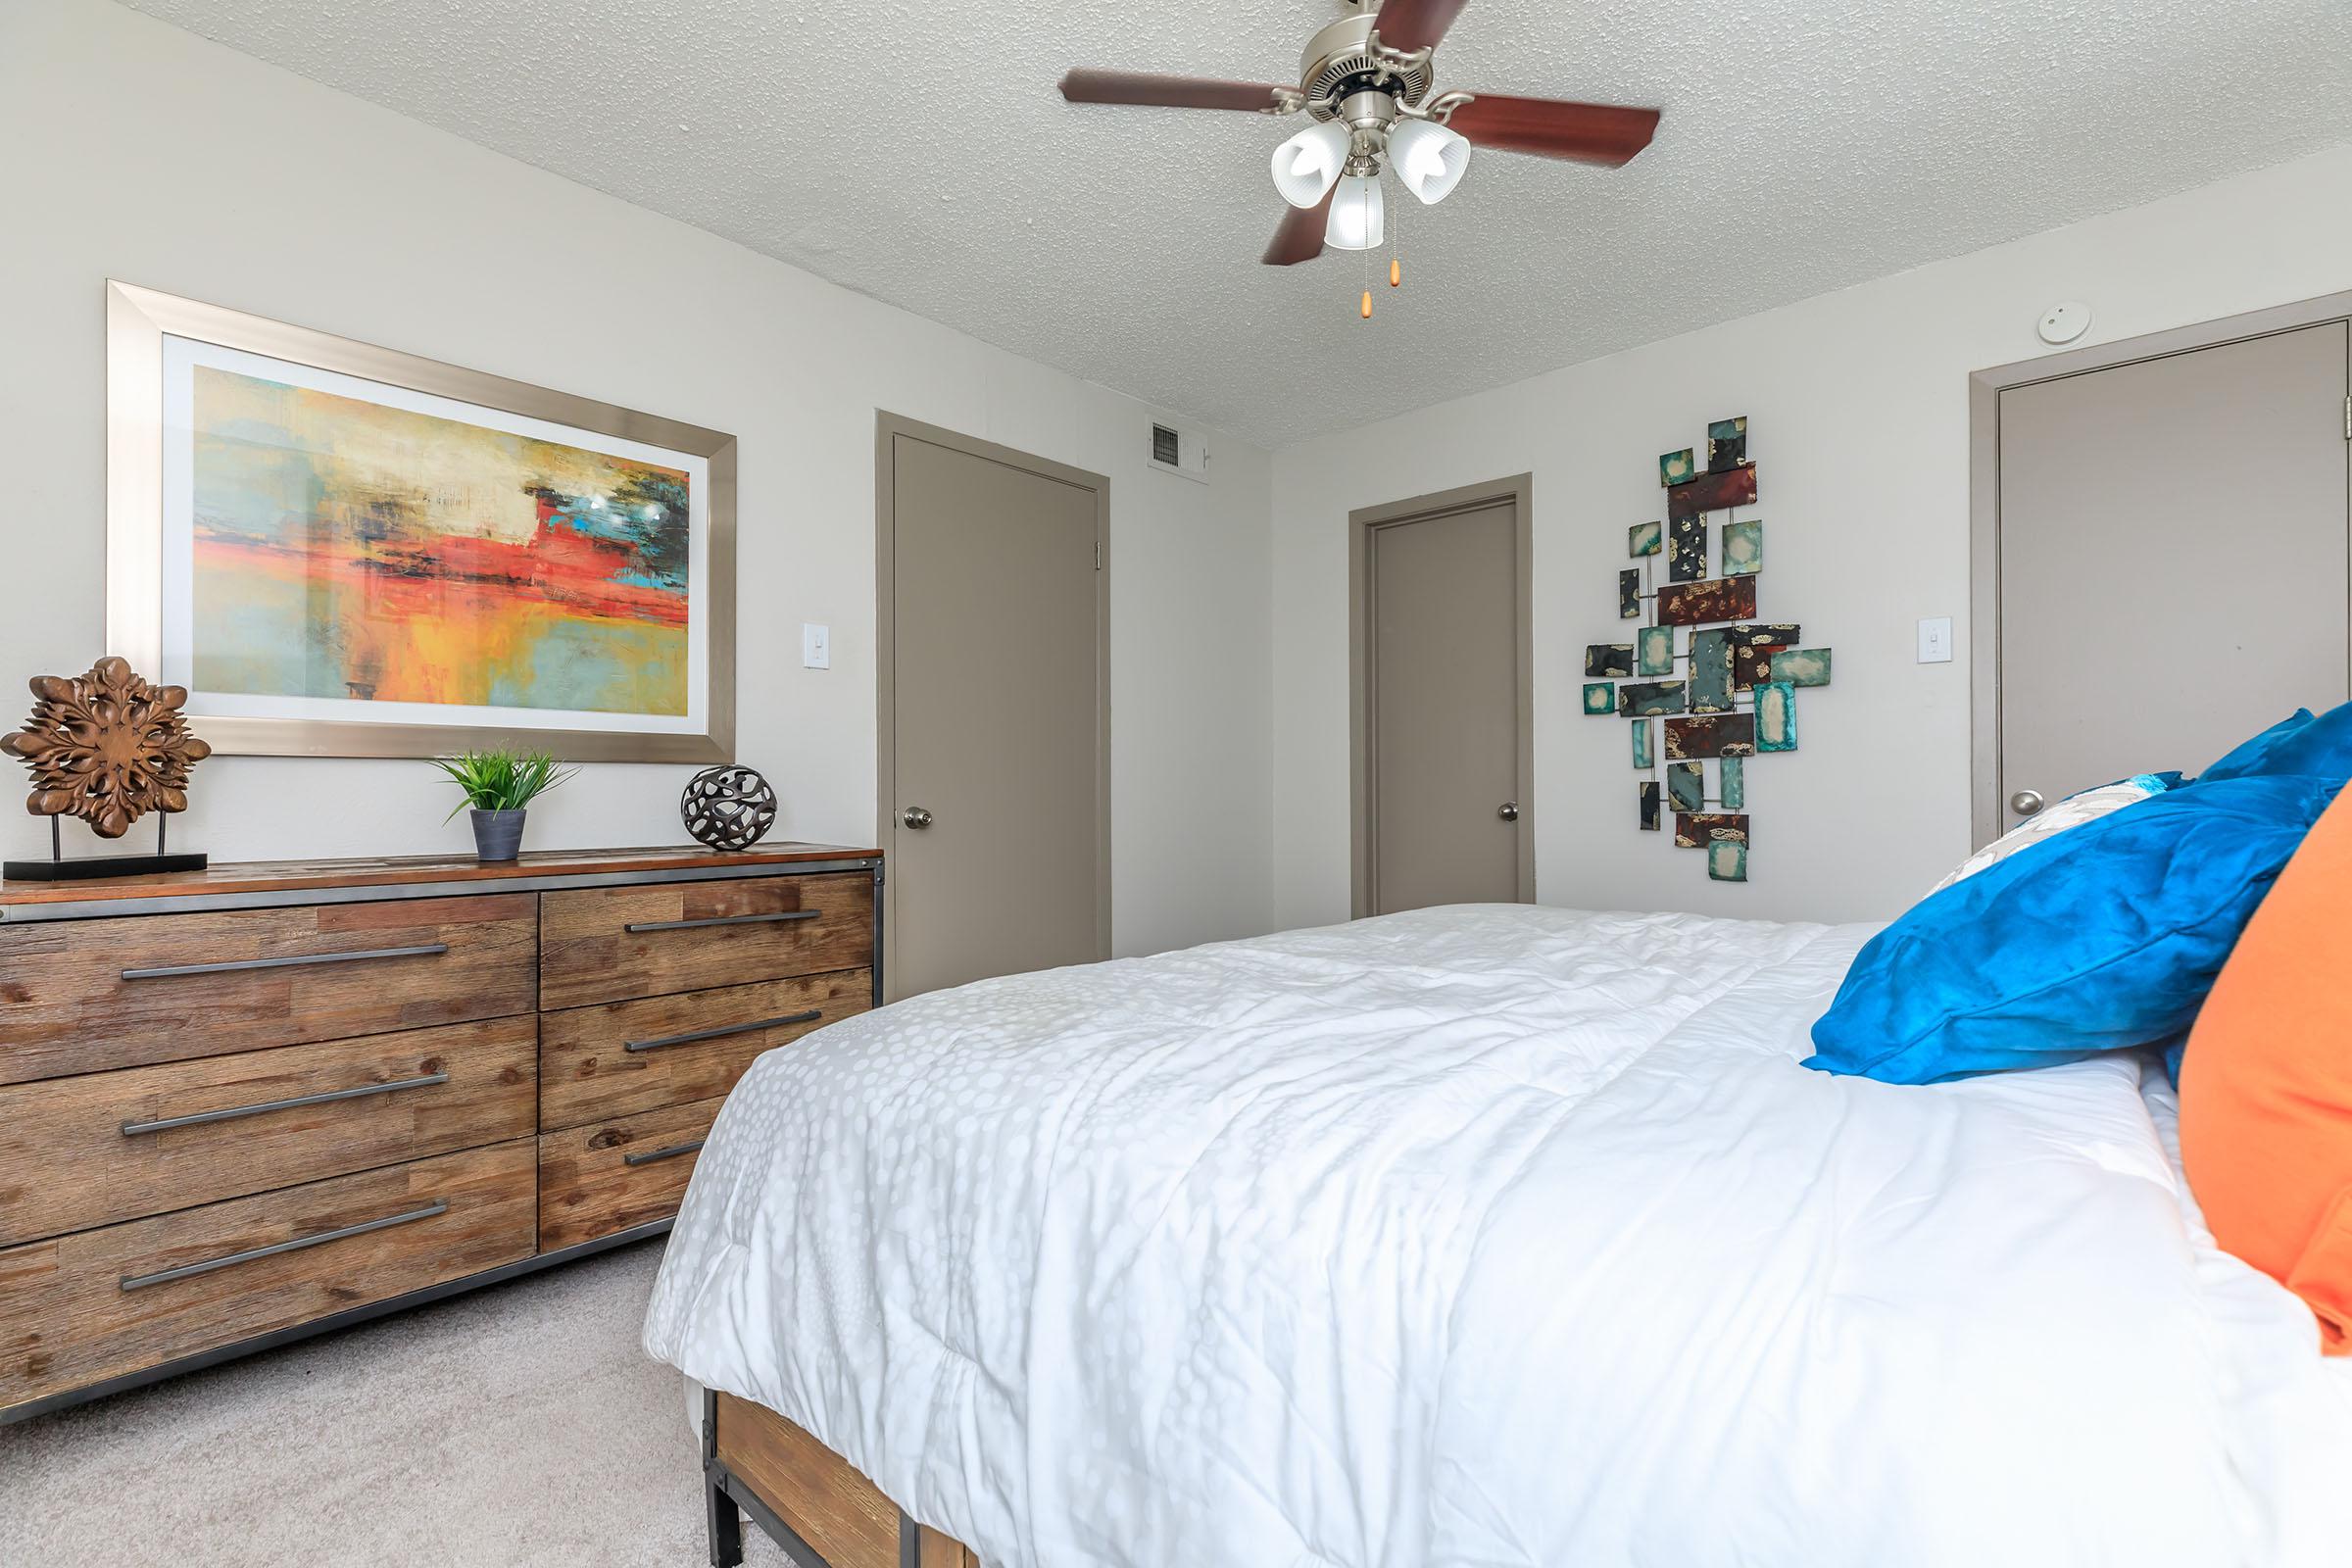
[{"x": 2175, "y": 540}]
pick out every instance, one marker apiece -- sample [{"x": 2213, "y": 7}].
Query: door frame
[
  {"x": 1987, "y": 789},
  {"x": 887, "y": 427},
  {"x": 1364, "y": 804}
]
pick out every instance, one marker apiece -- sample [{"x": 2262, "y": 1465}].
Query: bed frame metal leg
[{"x": 725, "y": 1519}]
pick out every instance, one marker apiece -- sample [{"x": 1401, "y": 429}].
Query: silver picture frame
[{"x": 139, "y": 320}]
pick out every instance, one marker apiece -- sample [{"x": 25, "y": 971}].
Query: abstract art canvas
[
  {"x": 1629, "y": 594},
  {"x": 1646, "y": 755},
  {"x": 1600, "y": 697},
  {"x": 365, "y": 565},
  {"x": 1676, "y": 468},
  {"x": 1642, "y": 539}
]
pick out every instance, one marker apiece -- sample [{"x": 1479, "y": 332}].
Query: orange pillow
[{"x": 2266, "y": 1088}]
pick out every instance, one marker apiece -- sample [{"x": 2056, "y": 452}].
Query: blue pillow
[
  {"x": 2104, "y": 936},
  {"x": 2318, "y": 747}
]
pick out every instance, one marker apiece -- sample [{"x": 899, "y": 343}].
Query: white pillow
[{"x": 2073, "y": 811}]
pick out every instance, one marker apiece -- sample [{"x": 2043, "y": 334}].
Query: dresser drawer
[
  {"x": 83, "y": 996},
  {"x": 627, "y": 1057},
  {"x": 85, "y": 1307},
  {"x": 613, "y": 944},
  {"x": 114, "y": 1145},
  {"x": 617, "y": 1174}
]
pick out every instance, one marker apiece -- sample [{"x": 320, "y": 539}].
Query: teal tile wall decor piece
[
  {"x": 1800, "y": 667},
  {"x": 1758, "y": 633},
  {"x": 1776, "y": 717},
  {"x": 1653, "y": 651},
  {"x": 1742, "y": 548},
  {"x": 1642, "y": 700},
  {"x": 1720, "y": 735},
  {"x": 1735, "y": 696},
  {"x": 1710, "y": 671},
  {"x": 1687, "y": 550},
  {"x": 1687, "y": 786},
  {"x": 1727, "y": 444},
  {"x": 1727, "y": 860},
  {"x": 1695, "y": 830},
  {"x": 1750, "y": 667}
]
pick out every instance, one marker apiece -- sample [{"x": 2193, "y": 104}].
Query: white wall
[
  {"x": 139, "y": 152},
  {"x": 1857, "y": 403}
]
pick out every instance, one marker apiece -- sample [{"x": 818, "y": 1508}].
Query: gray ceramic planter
[{"x": 497, "y": 835}]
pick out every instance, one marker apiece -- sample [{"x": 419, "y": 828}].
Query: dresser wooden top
[{"x": 404, "y": 871}]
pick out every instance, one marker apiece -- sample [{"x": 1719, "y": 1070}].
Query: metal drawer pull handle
[
  {"x": 652, "y": 1155},
  {"x": 168, "y": 972},
  {"x": 133, "y": 1129},
  {"x": 139, "y": 1281},
  {"x": 636, "y": 926},
  {"x": 721, "y": 1033}
]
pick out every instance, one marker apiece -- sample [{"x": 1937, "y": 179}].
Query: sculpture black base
[{"x": 101, "y": 865}]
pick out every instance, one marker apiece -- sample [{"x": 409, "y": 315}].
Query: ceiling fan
[{"x": 1366, "y": 81}]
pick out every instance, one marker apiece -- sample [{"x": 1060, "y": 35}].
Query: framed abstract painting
[{"x": 345, "y": 551}]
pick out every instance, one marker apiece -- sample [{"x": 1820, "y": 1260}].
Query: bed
[{"x": 1490, "y": 1234}]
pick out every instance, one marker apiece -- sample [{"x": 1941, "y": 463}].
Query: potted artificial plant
[{"x": 498, "y": 786}]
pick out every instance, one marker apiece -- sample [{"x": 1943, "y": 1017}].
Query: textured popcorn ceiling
[{"x": 919, "y": 153}]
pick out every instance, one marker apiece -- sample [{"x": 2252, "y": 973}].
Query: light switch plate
[
  {"x": 816, "y": 646},
  {"x": 1935, "y": 640}
]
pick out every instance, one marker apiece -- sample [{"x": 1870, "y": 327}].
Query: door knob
[
  {"x": 2025, "y": 802},
  {"x": 915, "y": 816},
  {"x": 1508, "y": 810}
]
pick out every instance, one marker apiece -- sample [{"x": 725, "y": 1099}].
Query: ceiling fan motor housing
[{"x": 1338, "y": 66}]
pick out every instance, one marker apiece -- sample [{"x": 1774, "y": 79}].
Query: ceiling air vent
[{"x": 1179, "y": 451}]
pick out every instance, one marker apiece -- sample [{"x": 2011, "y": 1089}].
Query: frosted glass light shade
[
  {"x": 1359, "y": 219},
  {"x": 1307, "y": 165},
  {"x": 1428, "y": 158}
]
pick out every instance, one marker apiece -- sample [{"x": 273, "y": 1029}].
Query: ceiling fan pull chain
[
  {"x": 1396, "y": 247},
  {"x": 1366, "y": 251}
]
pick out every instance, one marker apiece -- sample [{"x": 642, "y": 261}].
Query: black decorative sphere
[{"x": 728, "y": 807}]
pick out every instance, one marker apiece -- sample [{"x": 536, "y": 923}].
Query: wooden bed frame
[{"x": 808, "y": 1499}]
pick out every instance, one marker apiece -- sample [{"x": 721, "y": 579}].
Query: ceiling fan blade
[
  {"x": 1166, "y": 92},
  {"x": 1299, "y": 237},
  {"x": 1550, "y": 127},
  {"x": 1410, "y": 24}
]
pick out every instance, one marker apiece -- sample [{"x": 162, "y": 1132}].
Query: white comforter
[{"x": 1491, "y": 1236}]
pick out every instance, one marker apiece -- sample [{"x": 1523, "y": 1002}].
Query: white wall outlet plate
[
  {"x": 1935, "y": 640},
  {"x": 816, "y": 646}
]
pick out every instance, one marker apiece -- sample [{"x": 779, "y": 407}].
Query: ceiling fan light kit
[
  {"x": 1308, "y": 164},
  {"x": 1359, "y": 216},
  {"x": 1368, "y": 83}
]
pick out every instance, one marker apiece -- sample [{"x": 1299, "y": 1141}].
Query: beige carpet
[{"x": 517, "y": 1425}]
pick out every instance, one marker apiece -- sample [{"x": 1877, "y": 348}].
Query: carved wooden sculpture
[{"x": 107, "y": 747}]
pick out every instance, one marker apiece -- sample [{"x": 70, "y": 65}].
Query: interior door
[
  {"x": 995, "y": 711},
  {"x": 1442, "y": 663},
  {"x": 2175, "y": 538}
]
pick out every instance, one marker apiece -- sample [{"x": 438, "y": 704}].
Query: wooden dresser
[{"x": 245, "y": 1104}]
